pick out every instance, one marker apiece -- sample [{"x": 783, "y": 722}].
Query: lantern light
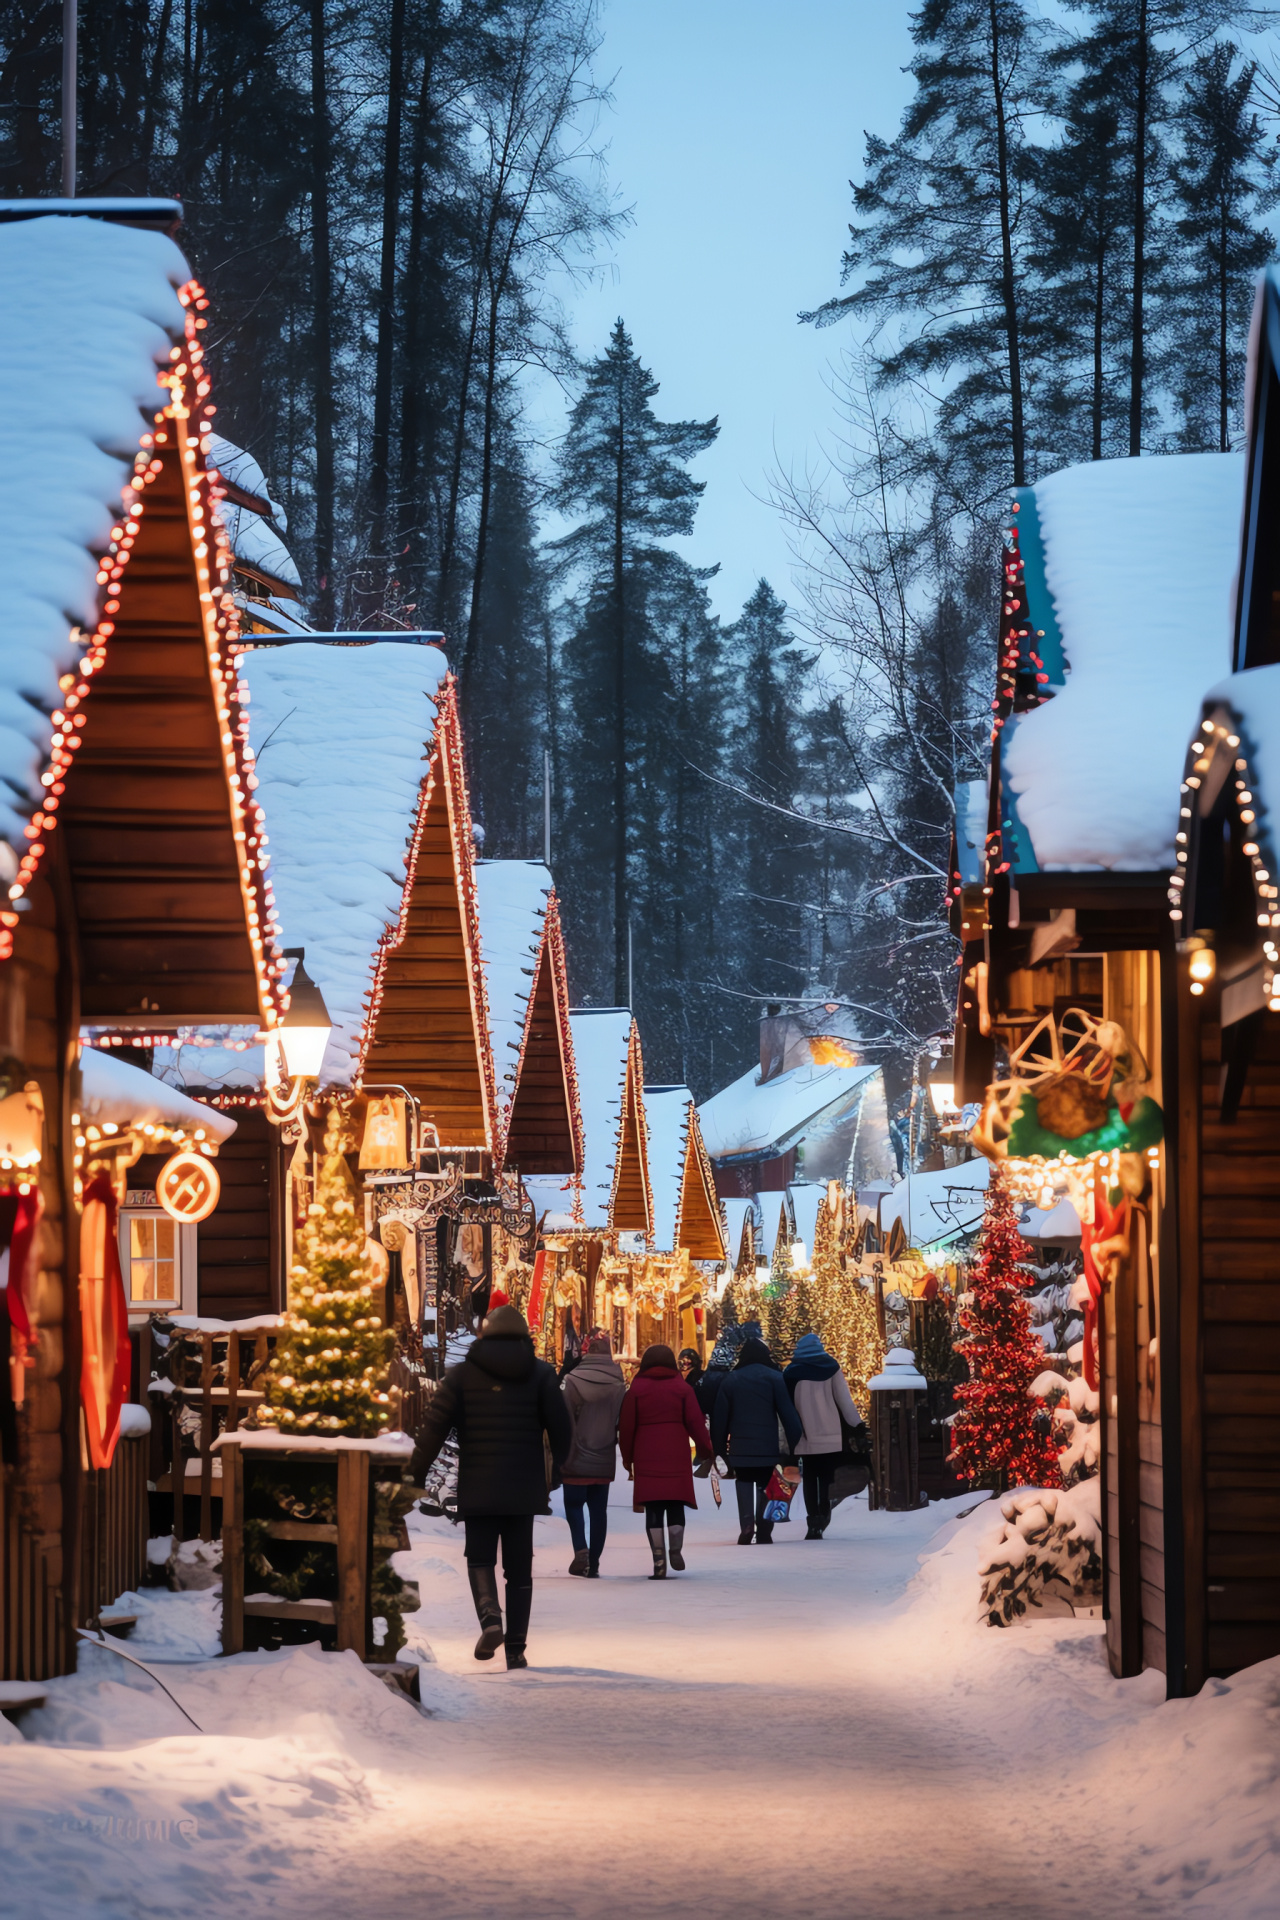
[{"x": 303, "y": 1035}]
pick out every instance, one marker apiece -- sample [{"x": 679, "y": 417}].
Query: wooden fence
[
  {"x": 32, "y": 1626},
  {"x": 113, "y": 1529}
]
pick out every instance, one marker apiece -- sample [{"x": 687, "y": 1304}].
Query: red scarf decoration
[
  {"x": 19, "y": 1217},
  {"x": 104, "y": 1320}
]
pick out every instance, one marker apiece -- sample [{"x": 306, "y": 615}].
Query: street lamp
[
  {"x": 295, "y": 1060},
  {"x": 942, "y": 1088}
]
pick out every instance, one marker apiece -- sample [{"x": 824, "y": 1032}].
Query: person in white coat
[{"x": 822, "y": 1398}]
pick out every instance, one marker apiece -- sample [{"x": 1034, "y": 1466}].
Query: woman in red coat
[{"x": 660, "y": 1416}]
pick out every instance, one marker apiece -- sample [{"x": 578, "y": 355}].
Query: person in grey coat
[
  {"x": 826, "y": 1406},
  {"x": 748, "y": 1410},
  {"x": 593, "y": 1393}
]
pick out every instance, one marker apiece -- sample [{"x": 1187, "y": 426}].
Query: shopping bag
[
  {"x": 780, "y": 1492},
  {"x": 715, "y": 1486}
]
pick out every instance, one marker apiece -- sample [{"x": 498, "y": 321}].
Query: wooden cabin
[
  {"x": 130, "y": 837},
  {"x": 1115, "y": 580},
  {"x": 527, "y": 995},
  {"x": 1223, "y": 900}
]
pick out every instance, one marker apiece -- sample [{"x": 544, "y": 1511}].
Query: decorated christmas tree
[
  {"x": 1002, "y": 1434},
  {"x": 845, "y": 1310},
  {"x": 329, "y": 1373}
]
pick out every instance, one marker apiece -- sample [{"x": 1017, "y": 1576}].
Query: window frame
[{"x": 142, "y": 1204}]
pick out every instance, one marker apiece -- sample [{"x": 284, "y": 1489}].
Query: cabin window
[{"x": 157, "y": 1258}]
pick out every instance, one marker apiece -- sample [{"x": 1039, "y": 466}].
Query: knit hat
[
  {"x": 754, "y": 1353},
  {"x": 809, "y": 1347},
  {"x": 505, "y": 1323}
]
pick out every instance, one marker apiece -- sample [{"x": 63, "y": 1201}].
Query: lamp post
[{"x": 295, "y": 1052}]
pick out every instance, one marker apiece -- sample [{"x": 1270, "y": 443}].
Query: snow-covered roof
[
  {"x": 111, "y": 1089},
  {"x": 512, "y": 897},
  {"x": 667, "y": 1111},
  {"x": 1139, "y": 558},
  {"x": 255, "y": 544},
  {"x": 806, "y": 1197},
  {"x": 340, "y": 735},
  {"x": 234, "y": 464},
  {"x": 600, "y": 1041},
  {"x": 550, "y": 1195},
  {"x": 737, "y": 1213},
  {"x": 775, "y": 1220},
  {"x": 280, "y": 616},
  {"x": 938, "y": 1206},
  {"x": 755, "y": 1120},
  {"x": 88, "y": 312}
]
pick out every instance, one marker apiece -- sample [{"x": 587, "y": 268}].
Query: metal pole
[
  {"x": 546, "y": 805},
  {"x": 68, "y": 99}
]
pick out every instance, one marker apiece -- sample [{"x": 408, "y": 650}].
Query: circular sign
[{"x": 188, "y": 1187}]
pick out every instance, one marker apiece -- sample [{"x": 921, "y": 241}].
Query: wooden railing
[
  {"x": 113, "y": 1529},
  {"x": 32, "y": 1625}
]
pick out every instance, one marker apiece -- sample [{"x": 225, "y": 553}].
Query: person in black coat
[
  {"x": 501, "y": 1399},
  {"x": 744, "y": 1429}
]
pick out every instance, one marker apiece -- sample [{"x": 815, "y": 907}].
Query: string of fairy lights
[
  {"x": 447, "y": 765},
  {"x": 184, "y": 426},
  {"x": 1216, "y": 738}
]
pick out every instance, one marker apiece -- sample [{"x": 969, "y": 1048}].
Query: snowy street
[{"x": 811, "y": 1729}]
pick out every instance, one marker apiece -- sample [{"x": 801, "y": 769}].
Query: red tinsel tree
[{"x": 1001, "y": 1435}]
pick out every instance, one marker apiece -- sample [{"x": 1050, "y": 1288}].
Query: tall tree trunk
[
  {"x": 1224, "y": 325},
  {"x": 154, "y": 84},
  {"x": 620, "y": 900},
  {"x": 322, "y": 299},
  {"x": 1099, "y": 311},
  {"x": 1138, "y": 347},
  {"x": 380, "y": 444},
  {"x": 1008, "y": 286},
  {"x": 471, "y": 650},
  {"x": 411, "y": 427}
]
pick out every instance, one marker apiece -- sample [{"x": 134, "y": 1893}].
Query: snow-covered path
[{"x": 810, "y": 1729}]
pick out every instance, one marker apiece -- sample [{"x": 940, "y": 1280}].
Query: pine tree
[
  {"x": 939, "y": 236},
  {"x": 624, "y": 470},
  {"x": 329, "y": 1372},
  {"x": 1225, "y": 177},
  {"x": 1002, "y": 1436}
]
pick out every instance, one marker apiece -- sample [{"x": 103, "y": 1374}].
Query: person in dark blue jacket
[{"x": 744, "y": 1429}]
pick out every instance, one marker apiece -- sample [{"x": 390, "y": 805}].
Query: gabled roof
[
  {"x": 937, "y": 1207},
  {"x": 686, "y": 1213},
  {"x": 527, "y": 993},
  {"x": 1133, "y": 574},
  {"x": 740, "y": 1214},
  {"x": 752, "y": 1120},
  {"x": 428, "y": 1024},
  {"x": 119, "y": 719},
  {"x": 340, "y": 734},
  {"x": 615, "y": 1182}
]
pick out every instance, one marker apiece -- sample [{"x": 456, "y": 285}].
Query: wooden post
[
  {"x": 233, "y": 1382},
  {"x": 353, "y": 1552},
  {"x": 232, "y": 1548},
  {"x": 206, "y": 1436}
]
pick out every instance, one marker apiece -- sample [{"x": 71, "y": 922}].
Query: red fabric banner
[{"x": 104, "y": 1320}]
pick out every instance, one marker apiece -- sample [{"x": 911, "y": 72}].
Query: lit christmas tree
[
  {"x": 329, "y": 1372},
  {"x": 1003, "y": 1436}
]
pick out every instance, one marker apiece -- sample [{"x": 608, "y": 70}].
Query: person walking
[
  {"x": 502, "y": 1400},
  {"x": 823, "y": 1400},
  {"x": 593, "y": 1394},
  {"x": 660, "y": 1416},
  {"x": 749, "y": 1409}
]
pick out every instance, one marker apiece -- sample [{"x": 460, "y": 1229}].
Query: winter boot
[
  {"x": 593, "y": 1572},
  {"x": 519, "y": 1607},
  {"x": 676, "y": 1535},
  {"x": 814, "y": 1531},
  {"x": 581, "y": 1561},
  {"x": 764, "y": 1533},
  {"x": 484, "y": 1591},
  {"x": 746, "y": 1536},
  {"x": 659, "y": 1546}
]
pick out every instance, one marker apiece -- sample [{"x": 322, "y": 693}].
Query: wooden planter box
[{"x": 351, "y": 1535}]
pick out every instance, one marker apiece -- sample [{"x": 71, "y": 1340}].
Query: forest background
[{"x": 1051, "y": 260}]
